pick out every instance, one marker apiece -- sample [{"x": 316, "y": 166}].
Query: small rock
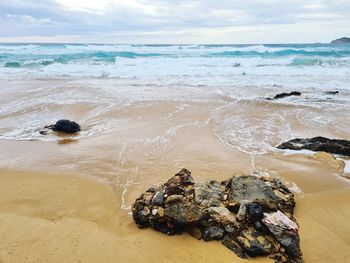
[
  {"x": 66, "y": 126},
  {"x": 158, "y": 199},
  {"x": 213, "y": 233},
  {"x": 173, "y": 199},
  {"x": 222, "y": 215},
  {"x": 154, "y": 211}
]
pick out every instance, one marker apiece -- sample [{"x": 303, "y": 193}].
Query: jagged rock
[
  {"x": 319, "y": 144},
  {"x": 208, "y": 194},
  {"x": 254, "y": 243},
  {"x": 284, "y": 230},
  {"x": 182, "y": 205},
  {"x": 213, "y": 233},
  {"x": 283, "y": 95},
  {"x": 179, "y": 183},
  {"x": 252, "y": 189},
  {"x": 330, "y": 160}
]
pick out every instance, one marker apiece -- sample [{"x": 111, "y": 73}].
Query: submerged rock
[
  {"x": 208, "y": 211},
  {"x": 283, "y": 95},
  {"x": 319, "y": 144},
  {"x": 332, "y": 92}
]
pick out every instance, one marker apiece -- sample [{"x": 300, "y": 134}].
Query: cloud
[{"x": 116, "y": 19}]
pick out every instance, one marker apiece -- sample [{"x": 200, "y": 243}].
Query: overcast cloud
[{"x": 170, "y": 21}]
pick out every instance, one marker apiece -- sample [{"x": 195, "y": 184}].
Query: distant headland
[{"x": 343, "y": 40}]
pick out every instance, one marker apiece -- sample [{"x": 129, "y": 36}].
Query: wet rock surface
[
  {"x": 65, "y": 126},
  {"x": 284, "y": 95},
  {"x": 319, "y": 144},
  {"x": 251, "y": 216}
]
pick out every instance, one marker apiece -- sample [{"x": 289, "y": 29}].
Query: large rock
[
  {"x": 319, "y": 144},
  {"x": 252, "y": 189},
  {"x": 208, "y": 211}
]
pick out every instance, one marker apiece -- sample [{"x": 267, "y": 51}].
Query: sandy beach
[{"x": 146, "y": 115}]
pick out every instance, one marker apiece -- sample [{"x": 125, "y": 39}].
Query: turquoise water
[{"x": 41, "y": 55}]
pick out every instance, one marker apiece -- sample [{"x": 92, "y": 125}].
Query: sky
[{"x": 174, "y": 22}]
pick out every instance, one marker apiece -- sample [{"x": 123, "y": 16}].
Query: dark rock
[
  {"x": 341, "y": 41},
  {"x": 318, "y": 144},
  {"x": 158, "y": 199},
  {"x": 208, "y": 194},
  {"x": 284, "y": 95},
  {"x": 254, "y": 243},
  {"x": 252, "y": 189},
  {"x": 336, "y": 92},
  {"x": 255, "y": 211},
  {"x": 257, "y": 230},
  {"x": 213, "y": 233},
  {"x": 66, "y": 126},
  {"x": 232, "y": 245}
]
